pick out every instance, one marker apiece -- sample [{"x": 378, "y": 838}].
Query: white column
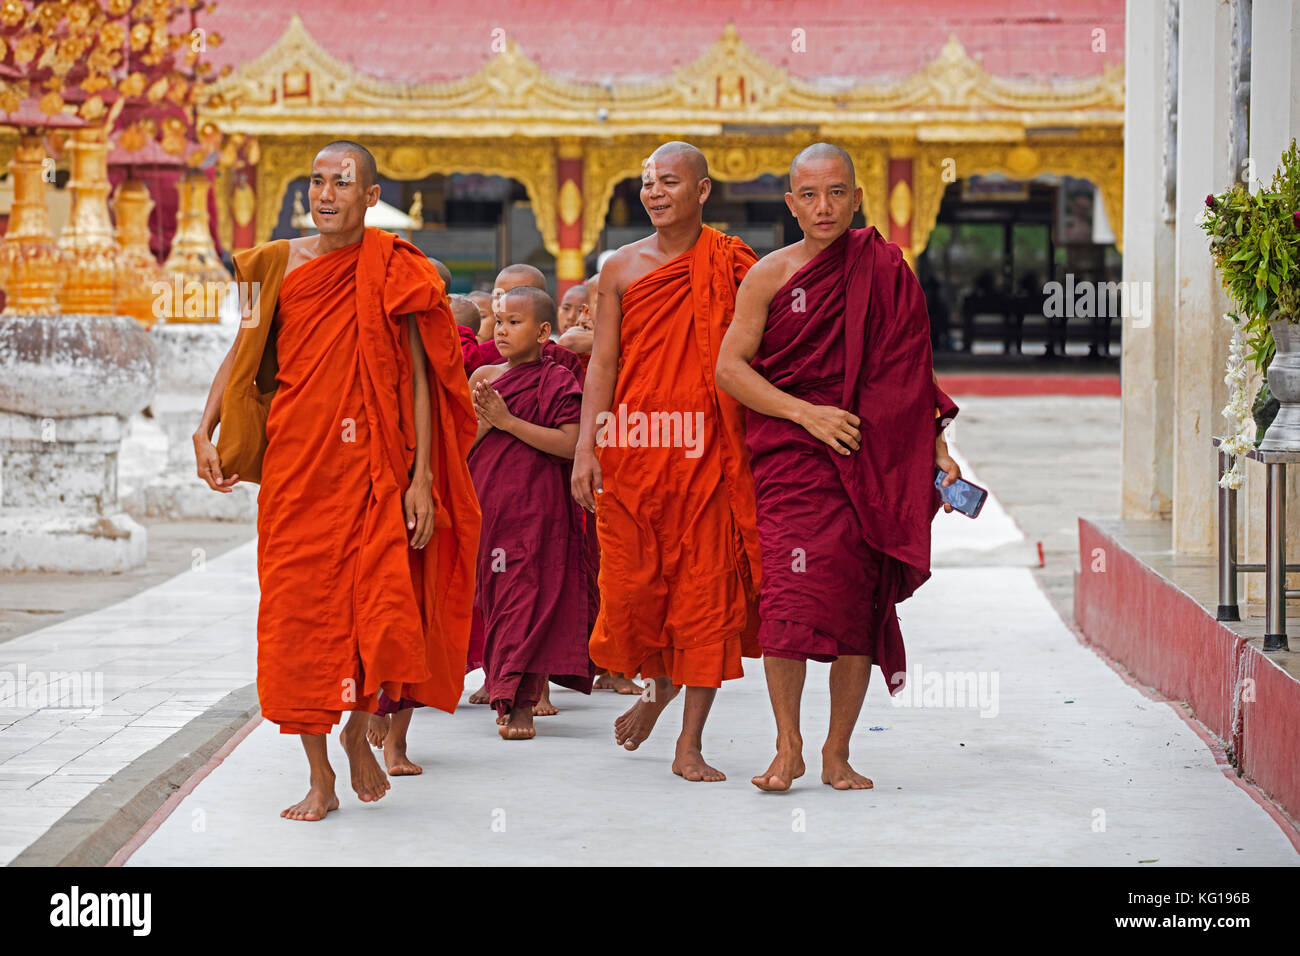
[
  {"x": 1200, "y": 333},
  {"x": 1274, "y": 121},
  {"x": 1147, "y": 359},
  {"x": 1274, "y": 82}
]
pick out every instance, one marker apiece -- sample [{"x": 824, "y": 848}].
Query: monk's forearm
[
  {"x": 552, "y": 441},
  {"x": 423, "y": 406},
  {"x": 423, "y": 431},
  {"x": 749, "y": 388},
  {"x": 597, "y": 397}
]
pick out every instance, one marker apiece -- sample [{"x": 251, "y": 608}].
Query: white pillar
[
  {"x": 1146, "y": 362},
  {"x": 1200, "y": 333},
  {"x": 1274, "y": 122},
  {"x": 1274, "y": 82}
]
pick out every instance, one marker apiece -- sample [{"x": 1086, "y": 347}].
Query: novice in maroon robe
[
  {"x": 846, "y": 537},
  {"x": 532, "y": 568}
]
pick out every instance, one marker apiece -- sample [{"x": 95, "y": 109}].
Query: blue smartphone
[{"x": 961, "y": 494}]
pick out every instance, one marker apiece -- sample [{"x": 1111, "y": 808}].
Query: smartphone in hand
[{"x": 961, "y": 494}]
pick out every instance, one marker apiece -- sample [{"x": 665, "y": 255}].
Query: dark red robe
[
  {"x": 532, "y": 581},
  {"x": 846, "y": 538}
]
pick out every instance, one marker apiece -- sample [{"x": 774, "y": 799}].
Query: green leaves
[{"x": 1255, "y": 244}]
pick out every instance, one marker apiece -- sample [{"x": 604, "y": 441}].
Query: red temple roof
[{"x": 421, "y": 41}]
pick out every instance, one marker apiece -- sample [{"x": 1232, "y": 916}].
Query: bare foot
[
  {"x": 633, "y": 727},
  {"x": 319, "y": 801},
  {"x": 519, "y": 726},
  {"x": 787, "y": 767},
  {"x": 837, "y": 772},
  {"x": 368, "y": 778},
  {"x": 395, "y": 759},
  {"x": 617, "y": 683},
  {"x": 544, "y": 707},
  {"x": 689, "y": 764},
  {"x": 479, "y": 696},
  {"x": 377, "y": 729}
]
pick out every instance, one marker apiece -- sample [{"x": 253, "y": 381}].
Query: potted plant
[{"x": 1255, "y": 243}]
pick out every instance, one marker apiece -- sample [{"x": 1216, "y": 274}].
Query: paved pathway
[{"x": 1051, "y": 759}]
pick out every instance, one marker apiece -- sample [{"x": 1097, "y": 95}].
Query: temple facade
[{"x": 524, "y": 141}]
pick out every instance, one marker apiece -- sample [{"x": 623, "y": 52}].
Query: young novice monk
[
  {"x": 531, "y": 586},
  {"x": 514, "y": 276}
]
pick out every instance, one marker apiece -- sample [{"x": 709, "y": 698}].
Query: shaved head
[
  {"x": 465, "y": 312},
  {"x": 366, "y": 171},
  {"x": 824, "y": 151},
  {"x": 443, "y": 271},
  {"x": 539, "y": 305},
  {"x": 520, "y": 274},
  {"x": 695, "y": 162}
]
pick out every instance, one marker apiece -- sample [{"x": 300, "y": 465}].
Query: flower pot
[{"x": 1284, "y": 383}]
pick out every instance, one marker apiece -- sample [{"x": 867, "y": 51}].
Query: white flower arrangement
[{"x": 1241, "y": 422}]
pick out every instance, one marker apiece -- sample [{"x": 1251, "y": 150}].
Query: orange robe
[
  {"x": 679, "y": 555},
  {"x": 347, "y": 606}
]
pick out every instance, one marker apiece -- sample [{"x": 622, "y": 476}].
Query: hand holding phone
[{"x": 961, "y": 494}]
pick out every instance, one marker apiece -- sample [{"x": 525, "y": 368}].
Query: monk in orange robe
[
  {"x": 367, "y": 521},
  {"x": 661, "y": 461},
  {"x": 831, "y": 343}
]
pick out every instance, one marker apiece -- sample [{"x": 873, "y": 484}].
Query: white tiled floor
[{"x": 164, "y": 656}]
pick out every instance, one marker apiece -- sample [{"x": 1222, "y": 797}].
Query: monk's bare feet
[
  {"x": 396, "y": 761},
  {"x": 479, "y": 696},
  {"x": 787, "y": 767},
  {"x": 617, "y": 683},
  {"x": 319, "y": 801},
  {"x": 368, "y": 778},
  {"x": 519, "y": 726},
  {"x": 633, "y": 727},
  {"x": 689, "y": 764},
  {"x": 377, "y": 729},
  {"x": 544, "y": 707},
  {"x": 837, "y": 773}
]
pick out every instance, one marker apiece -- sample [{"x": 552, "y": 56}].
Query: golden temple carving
[{"x": 512, "y": 118}]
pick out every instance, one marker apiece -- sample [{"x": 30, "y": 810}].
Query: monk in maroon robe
[
  {"x": 512, "y": 277},
  {"x": 838, "y": 333},
  {"x": 531, "y": 587}
]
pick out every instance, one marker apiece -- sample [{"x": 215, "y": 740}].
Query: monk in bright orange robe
[
  {"x": 367, "y": 519},
  {"x": 661, "y": 459}
]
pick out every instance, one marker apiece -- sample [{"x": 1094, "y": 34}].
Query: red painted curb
[
  {"x": 185, "y": 789},
  {"x": 961, "y": 383},
  {"x": 1162, "y": 641}
]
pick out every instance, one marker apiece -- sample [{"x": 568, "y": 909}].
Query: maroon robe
[
  {"x": 532, "y": 568},
  {"x": 846, "y": 538},
  {"x": 488, "y": 354},
  {"x": 469, "y": 347}
]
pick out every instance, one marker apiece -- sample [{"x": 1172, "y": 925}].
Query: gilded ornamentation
[
  {"x": 138, "y": 270},
  {"x": 29, "y": 259},
  {"x": 243, "y": 203},
  {"x": 89, "y": 249},
  {"x": 193, "y": 257},
  {"x": 900, "y": 203},
  {"x": 1091, "y": 157},
  {"x": 570, "y": 202},
  {"x": 520, "y": 119},
  {"x": 728, "y": 83}
]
